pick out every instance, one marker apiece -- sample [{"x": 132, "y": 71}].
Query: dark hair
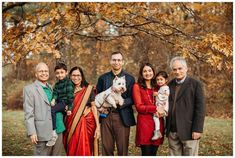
[
  {"x": 60, "y": 66},
  {"x": 117, "y": 52},
  {"x": 83, "y": 82},
  {"x": 141, "y": 80},
  {"x": 163, "y": 74}
]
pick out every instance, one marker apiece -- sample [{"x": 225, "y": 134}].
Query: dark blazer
[
  {"x": 190, "y": 108},
  {"x": 126, "y": 112}
]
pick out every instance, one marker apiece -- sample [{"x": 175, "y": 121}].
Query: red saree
[{"x": 82, "y": 140}]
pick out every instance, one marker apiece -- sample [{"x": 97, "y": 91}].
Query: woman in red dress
[
  {"x": 144, "y": 102},
  {"x": 82, "y": 126}
]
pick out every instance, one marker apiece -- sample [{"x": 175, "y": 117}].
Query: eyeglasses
[
  {"x": 75, "y": 76},
  {"x": 118, "y": 60},
  {"x": 41, "y": 71}
]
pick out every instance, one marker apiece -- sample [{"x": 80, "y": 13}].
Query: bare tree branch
[
  {"x": 17, "y": 4},
  {"x": 191, "y": 12},
  {"x": 105, "y": 37}
]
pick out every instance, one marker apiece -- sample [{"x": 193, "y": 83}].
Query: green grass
[
  {"x": 217, "y": 137},
  {"x": 14, "y": 138}
]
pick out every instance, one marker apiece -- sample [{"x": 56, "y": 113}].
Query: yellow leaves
[
  {"x": 69, "y": 20},
  {"x": 220, "y": 42},
  {"x": 7, "y": 15},
  {"x": 43, "y": 17},
  {"x": 185, "y": 52},
  {"x": 54, "y": 14},
  {"x": 30, "y": 28},
  {"x": 197, "y": 6},
  {"x": 24, "y": 40},
  {"x": 66, "y": 40},
  {"x": 166, "y": 31},
  {"x": 216, "y": 61},
  {"x": 39, "y": 37},
  {"x": 49, "y": 24},
  {"x": 57, "y": 54},
  {"x": 228, "y": 66},
  {"x": 219, "y": 53}
]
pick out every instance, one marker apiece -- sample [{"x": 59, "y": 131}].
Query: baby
[{"x": 161, "y": 101}]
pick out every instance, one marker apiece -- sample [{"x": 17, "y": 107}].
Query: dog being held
[{"x": 112, "y": 96}]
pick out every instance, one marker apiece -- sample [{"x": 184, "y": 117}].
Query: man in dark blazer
[
  {"x": 186, "y": 111},
  {"x": 116, "y": 126}
]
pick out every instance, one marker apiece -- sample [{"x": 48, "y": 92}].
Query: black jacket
[
  {"x": 190, "y": 108},
  {"x": 126, "y": 112}
]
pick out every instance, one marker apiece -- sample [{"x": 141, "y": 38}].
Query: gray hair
[
  {"x": 38, "y": 65},
  {"x": 178, "y": 58}
]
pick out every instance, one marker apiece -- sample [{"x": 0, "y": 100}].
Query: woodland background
[{"x": 85, "y": 34}]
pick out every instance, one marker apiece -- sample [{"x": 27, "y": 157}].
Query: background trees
[{"x": 85, "y": 33}]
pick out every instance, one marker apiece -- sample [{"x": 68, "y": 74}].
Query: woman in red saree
[{"x": 82, "y": 126}]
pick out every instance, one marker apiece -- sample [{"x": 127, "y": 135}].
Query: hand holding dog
[
  {"x": 103, "y": 110},
  {"x": 120, "y": 101}
]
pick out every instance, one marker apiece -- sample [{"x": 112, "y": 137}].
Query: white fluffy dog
[{"x": 112, "y": 96}]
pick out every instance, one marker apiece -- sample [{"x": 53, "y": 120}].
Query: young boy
[{"x": 63, "y": 95}]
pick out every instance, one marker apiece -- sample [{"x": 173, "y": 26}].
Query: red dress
[
  {"x": 81, "y": 142},
  {"x": 144, "y": 103}
]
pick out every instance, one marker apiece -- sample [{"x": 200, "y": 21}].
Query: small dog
[{"x": 112, "y": 95}]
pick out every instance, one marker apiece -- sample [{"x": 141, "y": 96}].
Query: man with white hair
[
  {"x": 36, "y": 104},
  {"x": 186, "y": 111}
]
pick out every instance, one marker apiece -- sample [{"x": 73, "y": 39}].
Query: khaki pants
[
  {"x": 42, "y": 150},
  {"x": 113, "y": 131},
  {"x": 179, "y": 148}
]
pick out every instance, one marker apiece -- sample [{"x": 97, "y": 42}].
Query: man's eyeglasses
[
  {"x": 118, "y": 60},
  {"x": 41, "y": 71}
]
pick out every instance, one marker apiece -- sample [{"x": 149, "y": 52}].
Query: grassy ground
[{"x": 217, "y": 138}]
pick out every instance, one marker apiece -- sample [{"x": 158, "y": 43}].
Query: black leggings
[{"x": 149, "y": 150}]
